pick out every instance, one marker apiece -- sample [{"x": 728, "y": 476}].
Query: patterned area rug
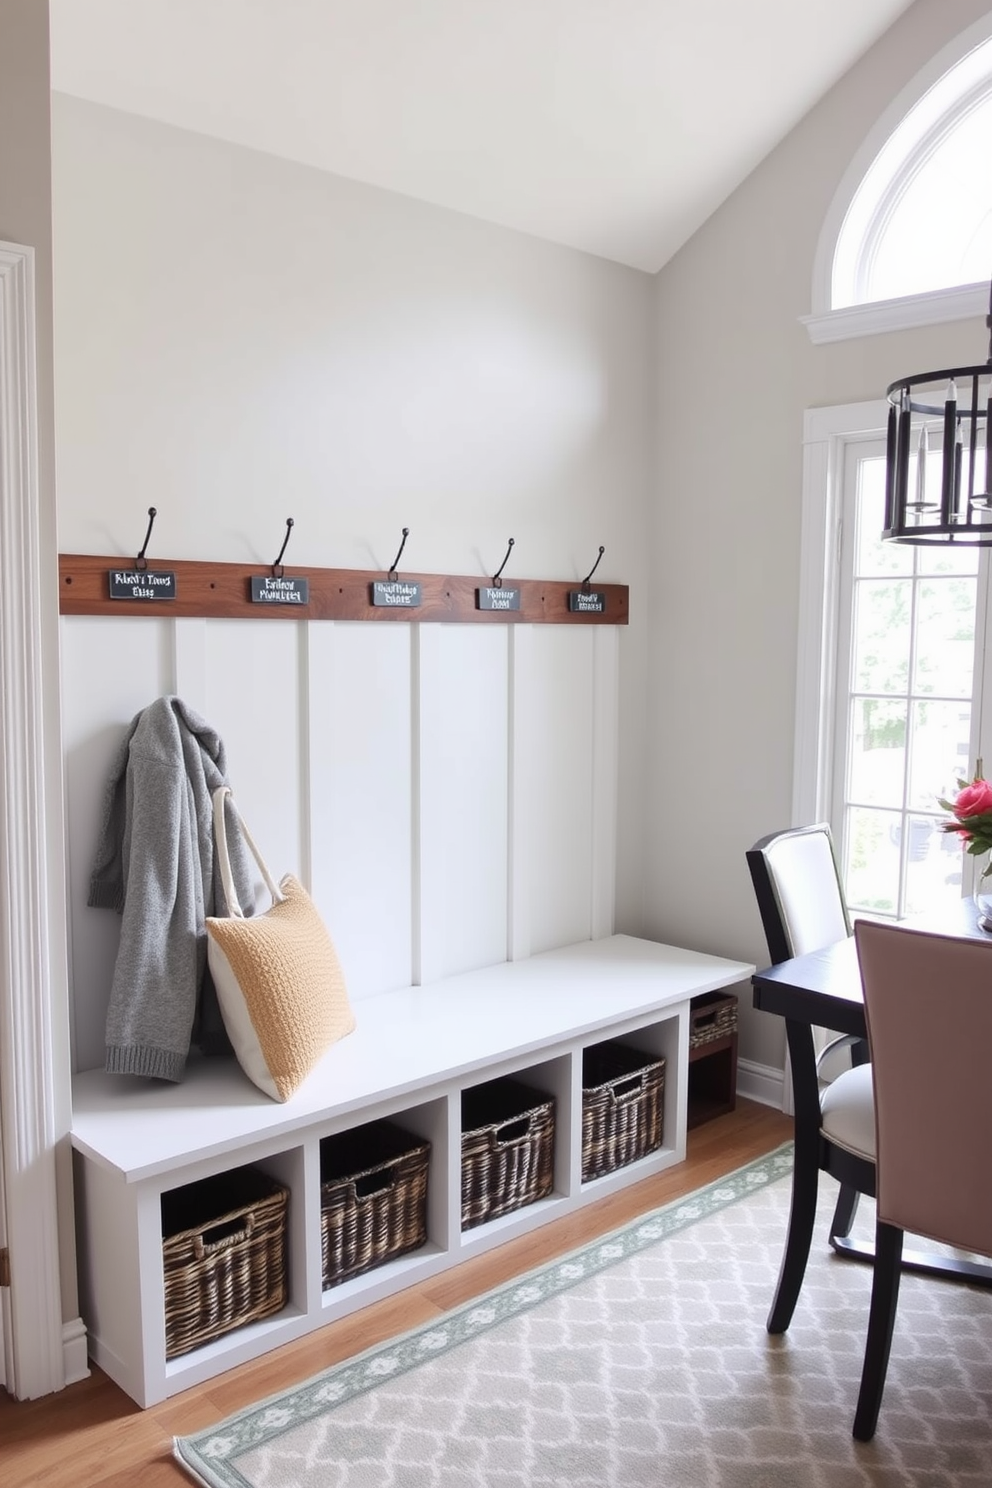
[{"x": 642, "y": 1361}]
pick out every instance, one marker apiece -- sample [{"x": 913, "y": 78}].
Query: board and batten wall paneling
[
  {"x": 255, "y": 700},
  {"x": 360, "y": 797},
  {"x": 463, "y": 798},
  {"x": 110, "y": 671},
  {"x": 563, "y": 787},
  {"x": 446, "y": 792},
  {"x": 605, "y": 726}
]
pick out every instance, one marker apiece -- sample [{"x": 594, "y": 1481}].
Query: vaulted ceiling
[{"x": 613, "y": 126}]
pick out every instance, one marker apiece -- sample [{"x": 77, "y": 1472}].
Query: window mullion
[{"x": 904, "y": 838}]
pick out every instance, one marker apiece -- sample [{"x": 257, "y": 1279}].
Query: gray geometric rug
[{"x": 642, "y": 1361}]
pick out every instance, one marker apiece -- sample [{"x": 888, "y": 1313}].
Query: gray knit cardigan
[{"x": 156, "y": 866}]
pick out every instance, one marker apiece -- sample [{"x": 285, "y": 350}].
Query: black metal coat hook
[
  {"x": 395, "y": 563},
  {"x": 277, "y": 568},
  {"x": 140, "y": 562},
  {"x": 585, "y": 581},
  {"x": 497, "y": 581}
]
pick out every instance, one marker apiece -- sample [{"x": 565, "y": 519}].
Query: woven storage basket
[
  {"x": 712, "y": 1016},
  {"x": 224, "y": 1256},
  {"x": 373, "y": 1198},
  {"x": 508, "y": 1141},
  {"x": 623, "y": 1093}
]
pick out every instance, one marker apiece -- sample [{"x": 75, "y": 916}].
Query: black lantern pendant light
[{"x": 957, "y": 404}]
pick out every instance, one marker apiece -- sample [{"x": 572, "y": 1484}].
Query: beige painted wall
[{"x": 736, "y": 372}]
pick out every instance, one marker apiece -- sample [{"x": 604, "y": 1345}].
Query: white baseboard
[
  {"x": 74, "y": 1351},
  {"x": 761, "y": 1082}
]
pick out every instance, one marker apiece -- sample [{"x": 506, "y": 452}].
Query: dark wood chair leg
[
  {"x": 802, "y": 1214},
  {"x": 844, "y": 1212},
  {"x": 805, "y": 1176},
  {"x": 881, "y": 1321},
  {"x": 847, "y": 1199}
]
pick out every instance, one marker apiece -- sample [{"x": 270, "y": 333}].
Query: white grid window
[{"x": 909, "y": 694}]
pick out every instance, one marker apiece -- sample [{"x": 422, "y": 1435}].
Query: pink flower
[
  {"x": 974, "y": 800},
  {"x": 971, "y": 816}
]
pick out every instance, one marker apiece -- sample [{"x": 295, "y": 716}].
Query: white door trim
[
  {"x": 826, "y": 434},
  {"x": 30, "y": 1099}
]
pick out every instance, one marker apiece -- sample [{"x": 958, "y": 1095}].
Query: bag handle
[{"x": 223, "y": 856}]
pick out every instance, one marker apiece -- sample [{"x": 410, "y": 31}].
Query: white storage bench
[{"x": 413, "y": 1053}]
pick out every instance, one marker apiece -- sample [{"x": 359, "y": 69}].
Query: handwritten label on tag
[
  {"x": 265, "y": 590},
  {"x": 142, "y": 583},
  {"x": 494, "y": 597},
  {"x": 396, "y": 594},
  {"x": 586, "y": 601}
]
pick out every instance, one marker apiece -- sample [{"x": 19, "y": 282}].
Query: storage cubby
[
  {"x": 712, "y": 1057},
  {"x": 373, "y": 1198},
  {"x": 225, "y": 1256},
  {"x": 507, "y": 1149},
  {"x": 623, "y": 1094},
  {"x": 416, "y": 1057}
]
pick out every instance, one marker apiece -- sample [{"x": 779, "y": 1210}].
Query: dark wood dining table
[{"x": 823, "y": 990}]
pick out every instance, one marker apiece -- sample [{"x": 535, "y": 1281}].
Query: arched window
[
  {"x": 911, "y": 222},
  {"x": 922, "y": 217}
]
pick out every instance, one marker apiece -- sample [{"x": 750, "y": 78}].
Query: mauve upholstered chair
[{"x": 928, "y": 1005}]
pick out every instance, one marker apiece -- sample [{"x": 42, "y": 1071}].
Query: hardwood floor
[{"x": 91, "y": 1435}]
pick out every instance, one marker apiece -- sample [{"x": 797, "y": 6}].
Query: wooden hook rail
[{"x": 224, "y": 591}]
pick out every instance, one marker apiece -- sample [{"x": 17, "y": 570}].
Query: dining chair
[
  {"x": 929, "y": 1017},
  {"x": 802, "y": 906},
  {"x": 799, "y": 891}
]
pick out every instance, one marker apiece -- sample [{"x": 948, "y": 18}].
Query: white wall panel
[
  {"x": 463, "y": 807},
  {"x": 189, "y": 662},
  {"x": 447, "y": 792},
  {"x": 360, "y": 755},
  {"x": 605, "y": 778},
  {"x": 254, "y": 700},
  {"x": 111, "y": 669},
  {"x": 554, "y": 798}
]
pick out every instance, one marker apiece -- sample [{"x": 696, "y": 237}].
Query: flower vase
[{"x": 983, "y": 890}]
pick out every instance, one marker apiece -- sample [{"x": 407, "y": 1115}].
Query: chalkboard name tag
[
  {"x": 586, "y": 601},
  {"x": 493, "y": 597},
  {"x": 395, "y": 594},
  {"x": 142, "y": 583},
  {"x": 265, "y": 590}
]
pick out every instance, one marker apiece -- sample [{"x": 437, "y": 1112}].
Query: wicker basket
[
  {"x": 623, "y": 1092},
  {"x": 712, "y": 1016},
  {"x": 224, "y": 1256},
  {"x": 508, "y": 1140},
  {"x": 373, "y": 1198}
]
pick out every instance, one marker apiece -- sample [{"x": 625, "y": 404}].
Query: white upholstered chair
[
  {"x": 802, "y": 906},
  {"x": 928, "y": 1005},
  {"x": 801, "y": 900}
]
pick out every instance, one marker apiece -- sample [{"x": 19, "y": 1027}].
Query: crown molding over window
[{"x": 935, "y": 307}]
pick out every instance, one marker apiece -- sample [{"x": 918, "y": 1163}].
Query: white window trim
[
  {"x": 935, "y": 307},
  {"x": 827, "y": 432},
  {"x": 908, "y": 312}
]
